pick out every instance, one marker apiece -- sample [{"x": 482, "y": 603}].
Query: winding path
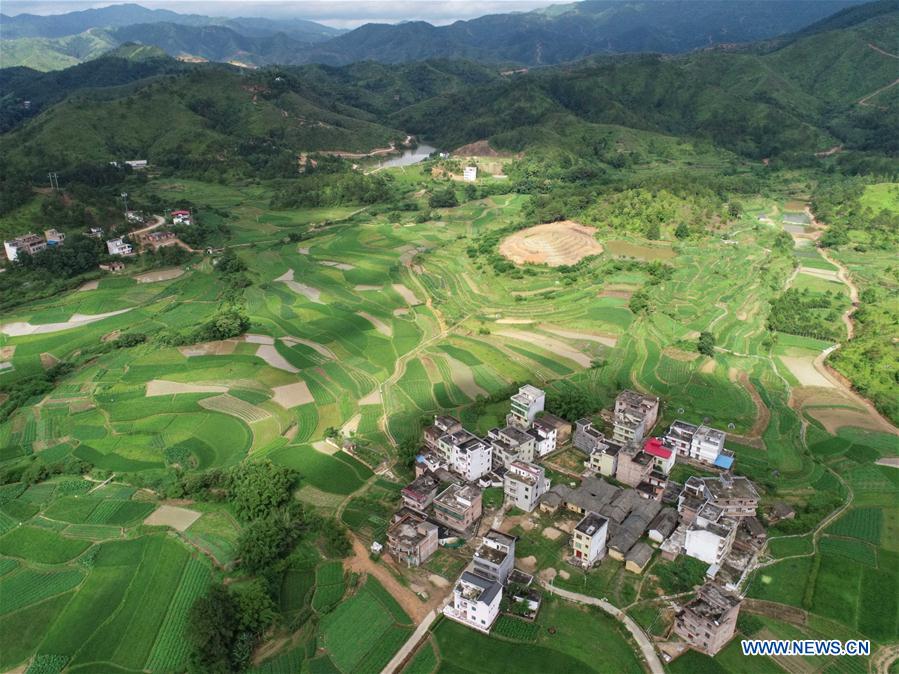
[{"x": 644, "y": 642}]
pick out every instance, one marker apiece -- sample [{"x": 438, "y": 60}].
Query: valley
[{"x": 268, "y": 322}]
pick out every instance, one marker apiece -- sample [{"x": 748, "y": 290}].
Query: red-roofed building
[
  {"x": 662, "y": 456},
  {"x": 181, "y": 217}
]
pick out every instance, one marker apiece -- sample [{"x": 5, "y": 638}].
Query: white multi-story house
[
  {"x": 525, "y": 405},
  {"x": 511, "y": 444},
  {"x": 523, "y": 485},
  {"x": 465, "y": 454},
  {"x": 476, "y": 602},
  {"x": 495, "y": 557},
  {"x": 588, "y": 540},
  {"x": 29, "y": 243},
  {"x": 470, "y": 174},
  {"x": 545, "y": 435},
  {"x": 700, "y": 443},
  {"x": 711, "y": 535},
  {"x": 119, "y": 247}
]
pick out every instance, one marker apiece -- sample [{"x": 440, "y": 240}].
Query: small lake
[
  {"x": 627, "y": 249},
  {"x": 408, "y": 157}
]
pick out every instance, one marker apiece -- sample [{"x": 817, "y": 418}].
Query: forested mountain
[
  {"x": 114, "y": 16},
  {"x": 569, "y": 32},
  {"x": 558, "y": 34},
  {"x": 788, "y": 101}
]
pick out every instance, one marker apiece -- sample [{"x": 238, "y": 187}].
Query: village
[
  {"x": 623, "y": 506},
  {"x": 149, "y": 235}
]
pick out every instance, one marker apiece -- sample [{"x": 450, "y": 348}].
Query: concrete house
[
  {"x": 523, "y": 485},
  {"x": 586, "y": 437},
  {"x": 458, "y": 506},
  {"x": 412, "y": 540},
  {"x": 54, "y": 237},
  {"x": 709, "y": 620},
  {"x": 545, "y": 437},
  {"x": 604, "y": 458},
  {"x": 119, "y": 247},
  {"x": 525, "y": 405},
  {"x": 470, "y": 174},
  {"x": 495, "y": 557},
  {"x": 734, "y": 494},
  {"x": 699, "y": 443},
  {"x": 711, "y": 535},
  {"x": 28, "y": 243},
  {"x": 420, "y": 493},
  {"x": 511, "y": 444},
  {"x": 442, "y": 426},
  {"x": 475, "y": 602},
  {"x": 634, "y": 466},
  {"x": 588, "y": 540},
  {"x": 563, "y": 427},
  {"x": 465, "y": 454},
  {"x": 634, "y": 416},
  {"x": 662, "y": 456}
]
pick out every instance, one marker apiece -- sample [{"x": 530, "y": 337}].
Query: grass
[{"x": 40, "y": 545}]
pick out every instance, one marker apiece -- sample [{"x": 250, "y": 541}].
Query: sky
[{"x": 337, "y": 13}]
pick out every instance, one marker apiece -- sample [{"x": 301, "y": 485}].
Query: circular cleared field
[{"x": 553, "y": 244}]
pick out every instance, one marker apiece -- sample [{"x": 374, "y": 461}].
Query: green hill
[{"x": 44, "y": 54}]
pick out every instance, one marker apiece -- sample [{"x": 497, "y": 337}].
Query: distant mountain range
[
  {"x": 789, "y": 98},
  {"x": 558, "y": 34}
]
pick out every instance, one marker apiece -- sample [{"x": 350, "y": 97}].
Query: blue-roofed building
[{"x": 725, "y": 460}]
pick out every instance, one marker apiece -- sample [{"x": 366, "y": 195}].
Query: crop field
[
  {"x": 369, "y": 327},
  {"x": 368, "y": 650}
]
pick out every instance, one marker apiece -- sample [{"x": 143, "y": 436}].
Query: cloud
[{"x": 338, "y": 13}]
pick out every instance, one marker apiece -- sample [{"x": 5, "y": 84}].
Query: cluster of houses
[
  {"x": 626, "y": 505},
  {"x": 32, "y": 243}
]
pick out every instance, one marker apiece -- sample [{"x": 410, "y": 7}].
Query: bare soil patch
[
  {"x": 302, "y": 250},
  {"x": 325, "y": 447},
  {"x": 343, "y": 266},
  {"x": 292, "y": 395},
  {"x": 90, "y": 285},
  {"x": 619, "y": 294},
  {"x": 373, "y": 398},
  {"x": 22, "y": 328},
  {"x": 7, "y": 352},
  {"x": 172, "y": 516},
  {"x": 709, "y": 366},
  {"x": 407, "y": 295},
  {"x": 224, "y": 347},
  {"x": 552, "y": 345},
  {"x": 380, "y": 325},
  {"x": 463, "y": 377},
  {"x": 514, "y": 321},
  {"x": 678, "y": 354},
  {"x": 551, "y": 533},
  {"x": 803, "y": 368},
  {"x": 159, "y": 275},
  {"x": 607, "y": 340},
  {"x": 320, "y": 348},
  {"x": 259, "y": 339},
  {"x": 48, "y": 360},
  {"x": 554, "y": 244},
  {"x": 352, "y": 425},
  {"x": 825, "y": 274},
  {"x": 481, "y": 148},
  {"x": 163, "y": 387},
  {"x": 270, "y": 355},
  {"x": 313, "y": 294},
  {"x": 367, "y": 287},
  {"x": 528, "y": 563}
]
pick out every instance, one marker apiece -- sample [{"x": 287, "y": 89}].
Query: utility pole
[
  {"x": 125, "y": 201},
  {"x": 54, "y": 180}
]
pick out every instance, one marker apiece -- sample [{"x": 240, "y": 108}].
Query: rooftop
[
  {"x": 481, "y": 589},
  {"x": 654, "y": 447},
  {"x": 640, "y": 554},
  {"x": 423, "y": 485},
  {"x": 728, "y": 486},
  {"x": 411, "y": 531},
  {"x": 682, "y": 430},
  {"x": 712, "y": 602},
  {"x": 458, "y": 497},
  {"x": 591, "y": 524}
]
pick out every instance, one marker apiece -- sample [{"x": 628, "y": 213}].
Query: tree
[
  {"x": 259, "y": 487},
  {"x": 682, "y": 231},
  {"x": 706, "y": 344},
  {"x": 653, "y": 232},
  {"x": 570, "y": 403},
  {"x": 445, "y": 198},
  {"x": 255, "y": 606},
  {"x": 212, "y": 625},
  {"x": 735, "y": 209},
  {"x": 266, "y": 540}
]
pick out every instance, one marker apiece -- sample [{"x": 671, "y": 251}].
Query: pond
[
  {"x": 408, "y": 157},
  {"x": 628, "y": 249}
]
